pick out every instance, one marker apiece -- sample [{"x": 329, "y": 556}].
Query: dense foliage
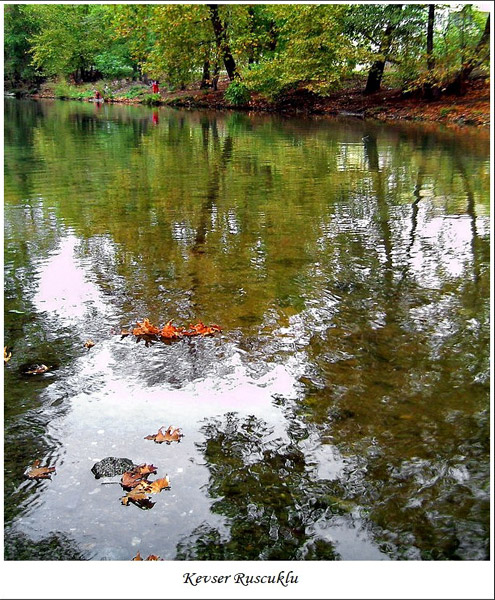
[{"x": 271, "y": 48}]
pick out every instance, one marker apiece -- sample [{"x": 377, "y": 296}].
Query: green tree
[
  {"x": 19, "y": 25},
  {"x": 309, "y": 50},
  {"x": 69, "y": 39},
  {"x": 478, "y": 57},
  {"x": 168, "y": 41}
]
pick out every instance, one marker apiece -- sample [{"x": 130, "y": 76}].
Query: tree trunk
[
  {"x": 481, "y": 53},
  {"x": 205, "y": 79},
  {"x": 221, "y": 41},
  {"x": 376, "y": 72},
  {"x": 430, "y": 61},
  {"x": 216, "y": 73}
]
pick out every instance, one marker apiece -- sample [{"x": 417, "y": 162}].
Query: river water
[{"x": 342, "y": 413}]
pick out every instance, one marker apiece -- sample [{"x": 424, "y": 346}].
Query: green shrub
[
  {"x": 237, "y": 93},
  {"x": 151, "y": 99},
  {"x": 113, "y": 63},
  {"x": 135, "y": 91},
  {"x": 62, "y": 89}
]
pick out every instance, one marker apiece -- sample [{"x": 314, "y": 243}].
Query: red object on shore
[
  {"x": 98, "y": 95},
  {"x": 155, "y": 87}
]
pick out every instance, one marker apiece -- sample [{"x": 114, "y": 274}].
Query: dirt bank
[{"x": 473, "y": 108}]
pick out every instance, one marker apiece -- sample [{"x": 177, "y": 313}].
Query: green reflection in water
[{"x": 357, "y": 253}]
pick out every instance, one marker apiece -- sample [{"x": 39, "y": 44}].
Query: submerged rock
[{"x": 111, "y": 466}]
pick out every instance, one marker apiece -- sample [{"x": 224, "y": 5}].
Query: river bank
[{"x": 473, "y": 108}]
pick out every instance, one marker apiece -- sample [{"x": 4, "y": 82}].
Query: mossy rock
[{"x": 111, "y": 466}]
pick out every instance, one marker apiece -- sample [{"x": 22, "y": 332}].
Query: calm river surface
[{"x": 343, "y": 411}]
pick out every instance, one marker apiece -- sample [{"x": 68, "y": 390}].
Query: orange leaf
[
  {"x": 201, "y": 329},
  {"x": 171, "y": 435},
  {"x": 155, "y": 487},
  {"x": 145, "y": 328},
  {"x": 150, "y": 557},
  {"x": 171, "y": 332},
  {"x": 89, "y": 344},
  {"x": 37, "y": 472}
]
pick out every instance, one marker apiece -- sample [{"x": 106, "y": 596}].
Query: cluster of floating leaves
[
  {"x": 139, "y": 488},
  {"x": 169, "y": 331},
  {"x": 150, "y": 557}
]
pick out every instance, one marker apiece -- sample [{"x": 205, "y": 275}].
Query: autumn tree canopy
[{"x": 269, "y": 48}]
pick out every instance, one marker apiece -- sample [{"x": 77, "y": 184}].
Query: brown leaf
[
  {"x": 171, "y": 435},
  {"x": 146, "y": 470},
  {"x": 130, "y": 479},
  {"x": 137, "y": 557},
  {"x": 37, "y": 472},
  {"x": 6, "y": 355},
  {"x": 89, "y": 344},
  {"x": 138, "y": 496}
]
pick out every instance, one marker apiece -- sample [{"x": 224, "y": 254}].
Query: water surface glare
[{"x": 343, "y": 411}]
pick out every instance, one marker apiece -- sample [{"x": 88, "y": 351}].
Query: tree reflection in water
[{"x": 276, "y": 506}]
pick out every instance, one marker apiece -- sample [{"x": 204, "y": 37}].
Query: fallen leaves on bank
[
  {"x": 148, "y": 331},
  {"x": 150, "y": 557},
  {"x": 170, "y": 435},
  {"x": 37, "y": 472}
]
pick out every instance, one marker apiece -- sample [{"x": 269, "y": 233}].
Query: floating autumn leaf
[
  {"x": 130, "y": 479},
  {"x": 155, "y": 487},
  {"x": 37, "y": 472},
  {"x": 201, "y": 329},
  {"x": 150, "y": 557},
  {"x": 145, "y": 328},
  {"x": 6, "y": 355},
  {"x": 171, "y": 332},
  {"x": 89, "y": 344},
  {"x": 139, "y": 497},
  {"x": 171, "y": 435},
  {"x": 36, "y": 369}
]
